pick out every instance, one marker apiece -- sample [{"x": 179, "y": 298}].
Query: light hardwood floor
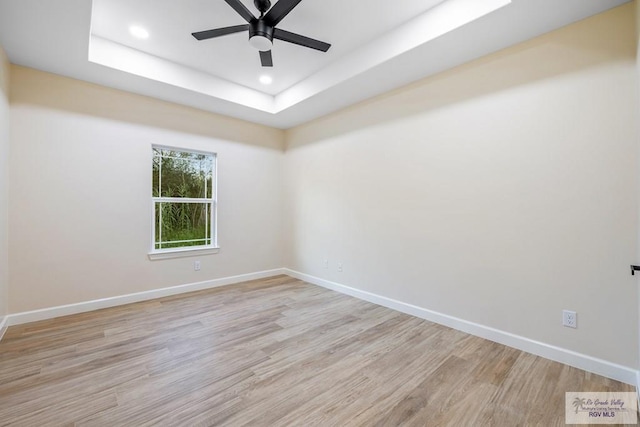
[{"x": 269, "y": 353}]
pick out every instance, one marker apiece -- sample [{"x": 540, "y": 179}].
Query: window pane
[
  {"x": 208, "y": 173},
  {"x": 185, "y": 174},
  {"x": 182, "y": 224},
  {"x": 158, "y": 229},
  {"x": 155, "y": 183}
]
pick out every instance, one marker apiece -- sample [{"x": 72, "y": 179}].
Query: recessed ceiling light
[
  {"x": 266, "y": 80},
  {"x": 138, "y": 32}
]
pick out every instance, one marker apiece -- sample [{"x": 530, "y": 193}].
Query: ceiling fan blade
[
  {"x": 280, "y": 10},
  {"x": 300, "y": 40},
  {"x": 266, "y": 59},
  {"x": 241, "y": 9},
  {"x": 218, "y": 32}
]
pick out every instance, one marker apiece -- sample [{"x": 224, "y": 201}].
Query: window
[{"x": 184, "y": 200}]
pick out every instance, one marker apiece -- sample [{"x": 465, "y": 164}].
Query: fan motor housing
[{"x": 260, "y": 35}]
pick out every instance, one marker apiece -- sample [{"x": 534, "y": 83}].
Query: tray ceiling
[{"x": 376, "y": 46}]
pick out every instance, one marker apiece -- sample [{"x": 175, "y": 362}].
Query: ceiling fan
[{"x": 262, "y": 30}]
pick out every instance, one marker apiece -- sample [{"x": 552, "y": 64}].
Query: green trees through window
[{"x": 184, "y": 198}]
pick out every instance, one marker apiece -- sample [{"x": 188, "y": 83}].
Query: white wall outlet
[
  {"x": 340, "y": 267},
  {"x": 326, "y": 263},
  {"x": 569, "y": 319},
  {"x": 196, "y": 265}
]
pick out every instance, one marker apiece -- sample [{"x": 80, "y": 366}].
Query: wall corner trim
[
  {"x": 82, "y": 307},
  {"x": 637, "y": 384},
  {"x": 557, "y": 354}
]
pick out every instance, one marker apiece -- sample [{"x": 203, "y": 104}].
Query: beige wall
[
  {"x": 636, "y": 5},
  {"x": 500, "y": 192},
  {"x": 4, "y": 183},
  {"x": 80, "y": 175}
]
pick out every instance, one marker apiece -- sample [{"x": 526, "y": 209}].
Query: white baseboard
[
  {"x": 4, "y": 324},
  {"x": 64, "y": 310},
  {"x": 558, "y": 354}
]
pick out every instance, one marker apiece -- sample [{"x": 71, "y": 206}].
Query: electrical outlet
[
  {"x": 569, "y": 319},
  {"x": 340, "y": 267},
  {"x": 196, "y": 265},
  {"x": 326, "y": 263}
]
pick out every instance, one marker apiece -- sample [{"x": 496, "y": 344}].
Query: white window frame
[{"x": 186, "y": 251}]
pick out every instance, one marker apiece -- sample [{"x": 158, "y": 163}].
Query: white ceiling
[
  {"x": 377, "y": 45},
  {"x": 171, "y": 23}
]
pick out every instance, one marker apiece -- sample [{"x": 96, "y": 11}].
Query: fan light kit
[
  {"x": 263, "y": 30},
  {"x": 261, "y": 43}
]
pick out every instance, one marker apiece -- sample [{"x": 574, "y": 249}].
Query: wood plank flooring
[{"x": 274, "y": 352}]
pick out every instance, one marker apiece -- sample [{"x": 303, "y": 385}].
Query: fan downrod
[{"x": 262, "y": 6}]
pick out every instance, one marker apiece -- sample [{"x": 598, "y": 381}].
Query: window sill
[{"x": 183, "y": 252}]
